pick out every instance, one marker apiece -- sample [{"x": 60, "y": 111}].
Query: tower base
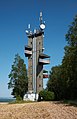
[{"x": 30, "y": 97}]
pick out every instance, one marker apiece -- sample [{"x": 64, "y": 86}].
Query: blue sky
[{"x": 15, "y": 15}]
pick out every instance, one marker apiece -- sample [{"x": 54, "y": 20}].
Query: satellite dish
[
  {"x": 42, "y": 26},
  {"x": 27, "y": 31}
]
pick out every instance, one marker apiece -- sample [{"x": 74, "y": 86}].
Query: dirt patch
[{"x": 39, "y": 110}]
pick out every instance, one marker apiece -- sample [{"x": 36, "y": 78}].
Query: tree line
[{"x": 63, "y": 78}]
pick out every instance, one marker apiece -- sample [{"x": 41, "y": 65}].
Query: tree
[
  {"x": 63, "y": 78},
  {"x": 45, "y": 95},
  {"x": 71, "y": 35},
  {"x": 18, "y": 78},
  {"x": 69, "y": 70},
  {"x": 69, "y": 62},
  {"x": 56, "y": 83}
]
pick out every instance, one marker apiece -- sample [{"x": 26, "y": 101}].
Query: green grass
[
  {"x": 70, "y": 102},
  {"x": 20, "y": 102}
]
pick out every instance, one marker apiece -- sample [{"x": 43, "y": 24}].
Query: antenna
[
  {"x": 41, "y": 19},
  {"x": 28, "y": 26}
]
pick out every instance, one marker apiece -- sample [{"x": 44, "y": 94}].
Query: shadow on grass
[{"x": 67, "y": 102}]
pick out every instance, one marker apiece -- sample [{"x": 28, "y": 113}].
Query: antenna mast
[
  {"x": 42, "y": 24},
  {"x": 41, "y": 19}
]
